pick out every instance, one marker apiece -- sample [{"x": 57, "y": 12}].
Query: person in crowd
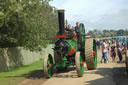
[
  {"x": 69, "y": 31},
  {"x": 109, "y": 41},
  {"x": 124, "y": 43},
  {"x": 107, "y": 47},
  {"x": 101, "y": 43},
  {"x": 98, "y": 44},
  {"x": 104, "y": 52},
  {"x": 120, "y": 49},
  {"x": 127, "y": 42},
  {"x": 69, "y": 26},
  {"x": 113, "y": 53},
  {"x": 73, "y": 28}
]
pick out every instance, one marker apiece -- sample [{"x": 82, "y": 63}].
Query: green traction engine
[{"x": 71, "y": 50}]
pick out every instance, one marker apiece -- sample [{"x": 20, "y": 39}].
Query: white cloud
[
  {"x": 117, "y": 20},
  {"x": 95, "y": 13}
]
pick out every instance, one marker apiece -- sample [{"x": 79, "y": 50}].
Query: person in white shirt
[{"x": 104, "y": 52}]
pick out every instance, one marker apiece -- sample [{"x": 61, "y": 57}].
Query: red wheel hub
[
  {"x": 82, "y": 63},
  {"x": 50, "y": 65},
  {"x": 94, "y": 53}
]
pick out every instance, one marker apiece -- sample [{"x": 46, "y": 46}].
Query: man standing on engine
[
  {"x": 77, "y": 30},
  {"x": 77, "y": 27}
]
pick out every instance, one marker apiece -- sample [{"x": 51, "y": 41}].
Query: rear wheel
[
  {"x": 79, "y": 64},
  {"x": 48, "y": 66},
  {"x": 91, "y": 54}
]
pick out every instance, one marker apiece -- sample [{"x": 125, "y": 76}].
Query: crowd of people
[
  {"x": 107, "y": 46},
  {"x": 112, "y": 48}
]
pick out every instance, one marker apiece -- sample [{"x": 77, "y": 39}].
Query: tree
[
  {"x": 120, "y": 32},
  {"x": 27, "y": 23},
  {"x": 90, "y": 32}
]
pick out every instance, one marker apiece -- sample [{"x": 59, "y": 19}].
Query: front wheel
[
  {"x": 79, "y": 64},
  {"x": 48, "y": 66}
]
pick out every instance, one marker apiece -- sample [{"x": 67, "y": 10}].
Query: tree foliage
[
  {"x": 108, "y": 33},
  {"x": 31, "y": 24}
]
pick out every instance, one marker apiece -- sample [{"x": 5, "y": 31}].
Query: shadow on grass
[{"x": 37, "y": 74}]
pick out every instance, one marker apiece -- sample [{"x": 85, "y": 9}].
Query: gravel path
[{"x": 105, "y": 74}]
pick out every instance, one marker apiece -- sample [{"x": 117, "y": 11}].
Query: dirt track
[{"x": 106, "y": 74}]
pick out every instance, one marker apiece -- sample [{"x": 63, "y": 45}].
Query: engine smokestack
[{"x": 61, "y": 22}]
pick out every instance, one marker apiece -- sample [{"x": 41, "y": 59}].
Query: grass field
[{"x": 14, "y": 77}]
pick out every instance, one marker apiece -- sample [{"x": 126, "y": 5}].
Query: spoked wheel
[
  {"x": 91, "y": 54},
  {"x": 79, "y": 64},
  {"x": 48, "y": 66}
]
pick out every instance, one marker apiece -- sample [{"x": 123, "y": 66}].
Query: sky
[{"x": 95, "y": 14}]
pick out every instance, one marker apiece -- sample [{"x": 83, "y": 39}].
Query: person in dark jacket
[
  {"x": 77, "y": 27},
  {"x": 120, "y": 51}
]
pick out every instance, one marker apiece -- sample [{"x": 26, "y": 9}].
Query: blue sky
[{"x": 95, "y": 14}]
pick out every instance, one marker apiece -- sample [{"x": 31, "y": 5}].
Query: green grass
[{"x": 15, "y": 76}]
